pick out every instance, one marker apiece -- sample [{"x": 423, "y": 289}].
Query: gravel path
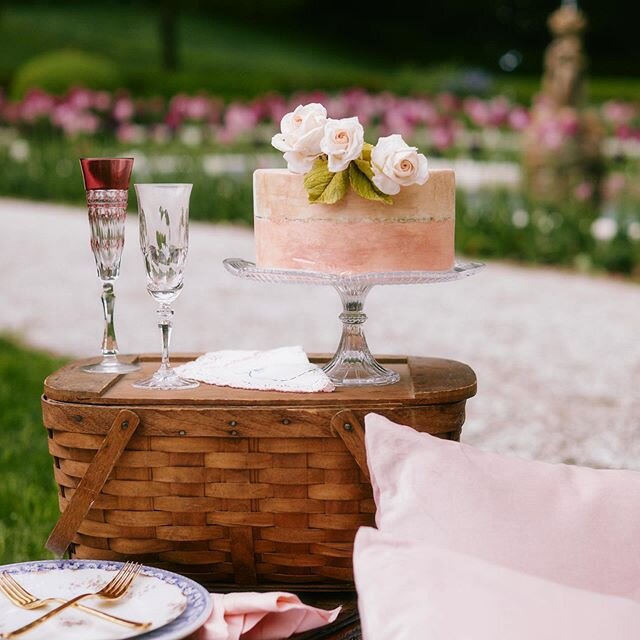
[{"x": 557, "y": 355}]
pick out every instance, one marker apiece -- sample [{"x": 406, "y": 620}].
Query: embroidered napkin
[
  {"x": 284, "y": 369},
  {"x": 261, "y": 616}
]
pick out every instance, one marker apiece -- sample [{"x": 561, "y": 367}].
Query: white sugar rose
[
  {"x": 395, "y": 164},
  {"x": 301, "y": 132},
  {"x": 342, "y": 142}
]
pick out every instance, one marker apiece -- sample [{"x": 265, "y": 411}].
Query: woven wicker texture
[{"x": 271, "y": 496}]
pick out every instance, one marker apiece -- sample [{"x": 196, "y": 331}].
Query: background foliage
[{"x": 246, "y": 47}]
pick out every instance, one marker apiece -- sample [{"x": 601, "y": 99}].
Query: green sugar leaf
[
  {"x": 360, "y": 174},
  {"x": 323, "y": 186},
  {"x": 365, "y": 167},
  {"x": 366, "y": 151}
]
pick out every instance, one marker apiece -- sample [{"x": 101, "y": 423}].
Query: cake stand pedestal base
[{"x": 353, "y": 363}]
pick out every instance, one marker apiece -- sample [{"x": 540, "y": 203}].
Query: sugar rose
[
  {"x": 395, "y": 164},
  {"x": 301, "y": 132},
  {"x": 342, "y": 142}
]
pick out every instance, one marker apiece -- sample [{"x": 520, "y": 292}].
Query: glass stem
[
  {"x": 109, "y": 343},
  {"x": 353, "y": 319},
  {"x": 165, "y": 313},
  {"x": 353, "y": 363}
]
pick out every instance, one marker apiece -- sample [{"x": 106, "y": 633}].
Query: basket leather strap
[
  {"x": 348, "y": 428},
  {"x": 90, "y": 486}
]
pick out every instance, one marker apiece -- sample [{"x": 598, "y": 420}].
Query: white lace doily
[{"x": 284, "y": 369}]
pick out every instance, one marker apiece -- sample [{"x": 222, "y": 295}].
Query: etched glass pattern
[
  {"x": 107, "y": 209},
  {"x": 107, "y": 212},
  {"x": 163, "y": 211}
]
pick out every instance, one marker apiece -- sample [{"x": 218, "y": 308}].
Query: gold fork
[
  {"x": 113, "y": 590},
  {"x": 22, "y": 598}
]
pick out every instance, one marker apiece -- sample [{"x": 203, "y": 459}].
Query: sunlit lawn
[{"x": 28, "y": 503}]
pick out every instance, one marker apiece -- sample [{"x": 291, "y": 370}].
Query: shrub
[{"x": 58, "y": 71}]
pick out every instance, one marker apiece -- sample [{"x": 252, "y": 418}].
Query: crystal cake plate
[{"x": 353, "y": 362}]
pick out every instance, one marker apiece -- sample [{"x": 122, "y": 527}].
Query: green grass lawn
[
  {"x": 28, "y": 502},
  {"x": 229, "y": 59}
]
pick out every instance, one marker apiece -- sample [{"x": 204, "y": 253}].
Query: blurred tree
[
  {"x": 169, "y": 14},
  {"x": 471, "y": 33},
  {"x": 467, "y": 32}
]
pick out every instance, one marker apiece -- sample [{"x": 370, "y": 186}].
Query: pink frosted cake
[
  {"x": 415, "y": 233},
  {"x": 345, "y": 206}
]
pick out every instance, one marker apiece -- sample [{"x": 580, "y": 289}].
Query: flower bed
[{"x": 442, "y": 123}]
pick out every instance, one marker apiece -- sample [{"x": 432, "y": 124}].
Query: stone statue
[
  {"x": 564, "y": 61},
  {"x": 562, "y": 145}
]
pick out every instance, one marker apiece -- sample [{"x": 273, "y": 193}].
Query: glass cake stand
[{"x": 353, "y": 363}]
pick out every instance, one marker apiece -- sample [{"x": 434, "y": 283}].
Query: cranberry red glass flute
[
  {"x": 106, "y": 181},
  {"x": 163, "y": 212}
]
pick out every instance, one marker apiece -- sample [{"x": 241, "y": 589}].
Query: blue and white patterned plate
[{"x": 177, "y": 606}]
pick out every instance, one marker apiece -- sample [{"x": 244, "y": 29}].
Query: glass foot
[
  {"x": 166, "y": 379},
  {"x": 353, "y": 370},
  {"x": 110, "y": 365}
]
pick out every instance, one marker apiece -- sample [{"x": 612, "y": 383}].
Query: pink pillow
[
  {"x": 576, "y": 526},
  {"x": 409, "y": 590}
]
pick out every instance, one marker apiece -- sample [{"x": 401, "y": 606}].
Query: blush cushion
[
  {"x": 411, "y": 589},
  {"x": 576, "y": 526}
]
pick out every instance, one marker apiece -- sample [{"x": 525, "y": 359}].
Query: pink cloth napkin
[{"x": 261, "y": 616}]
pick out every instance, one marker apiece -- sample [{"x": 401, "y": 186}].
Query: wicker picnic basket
[{"x": 228, "y": 486}]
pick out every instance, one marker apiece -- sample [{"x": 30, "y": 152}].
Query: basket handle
[
  {"x": 90, "y": 486},
  {"x": 348, "y": 428}
]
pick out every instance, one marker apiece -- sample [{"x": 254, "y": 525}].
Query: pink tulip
[
  {"x": 35, "y": 105},
  {"x": 518, "y": 118},
  {"x": 337, "y": 107},
  {"x": 101, "y": 100},
  {"x": 127, "y": 132},
  {"x": 551, "y": 136},
  {"x": 583, "y": 191},
  {"x": 569, "y": 124},
  {"x": 624, "y": 132},
  {"x": 442, "y": 138},
  {"x": 448, "y": 102},
  {"x": 395, "y": 121},
  {"x": 196, "y": 108},
  {"x": 499, "y": 109},
  {"x": 123, "y": 109},
  {"x": 618, "y": 113},
  {"x": 80, "y": 98},
  {"x": 274, "y": 107},
  {"x": 614, "y": 185},
  {"x": 478, "y": 111},
  {"x": 426, "y": 112},
  {"x": 238, "y": 119}
]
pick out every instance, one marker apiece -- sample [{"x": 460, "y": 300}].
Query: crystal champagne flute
[
  {"x": 106, "y": 181},
  {"x": 163, "y": 211}
]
